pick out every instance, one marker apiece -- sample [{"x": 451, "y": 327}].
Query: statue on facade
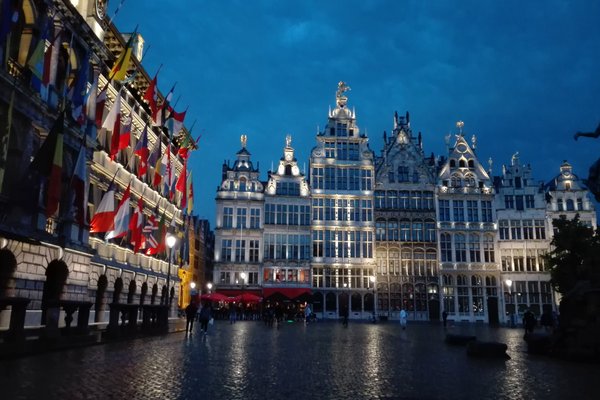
[
  {"x": 288, "y": 140},
  {"x": 244, "y": 140},
  {"x": 342, "y": 87}
]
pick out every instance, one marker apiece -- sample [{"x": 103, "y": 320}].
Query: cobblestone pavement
[{"x": 323, "y": 360}]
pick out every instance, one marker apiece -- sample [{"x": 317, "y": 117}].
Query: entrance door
[
  {"x": 434, "y": 310},
  {"x": 492, "y": 304}
]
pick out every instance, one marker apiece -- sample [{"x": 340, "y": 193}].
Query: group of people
[{"x": 203, "y": 314}]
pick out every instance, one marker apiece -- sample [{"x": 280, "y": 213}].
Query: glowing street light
[
  {"x": 193, "y": 285},
  {"x": 171, "y": 240},
  {"x": 372, "y": 279},
  {"x": 209, "y": 286},
  {"x": 509, "y": 283}
]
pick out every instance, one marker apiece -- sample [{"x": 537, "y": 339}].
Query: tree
[{"x": 575, "y": 255}]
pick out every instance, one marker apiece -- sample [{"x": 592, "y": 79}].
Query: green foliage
[{"x": 575, "y": 255}]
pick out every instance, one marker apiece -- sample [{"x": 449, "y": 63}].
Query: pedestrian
[
  {"x": 232, "y": 313},
  {"x": 445, "y": 317},
  {"x": 403, "y": 318},
  {"x": 345, "y": 315},
  {"x": 529, "y": 322},
  {"x": 190, "y": 316},
  {"x": 307, "y": 313},
  {"x": 205, "y": 316}
]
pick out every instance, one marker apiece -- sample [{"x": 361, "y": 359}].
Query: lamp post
[
  {"x": 509, "y": 286},
  {"x": 171, "y": 240},
  {"x": 372, "y": 279},
  {"x": 209, "y": 286}
]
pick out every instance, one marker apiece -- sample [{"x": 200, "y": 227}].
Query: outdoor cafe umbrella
[
  {"x": 247, "y": 298},
  {"x": 215, "y": 297}
]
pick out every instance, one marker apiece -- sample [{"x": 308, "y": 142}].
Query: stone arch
[
  {"x": 131, "y": 291},
  {"x": 8, "y": 266},
  {"x": 143, "y": 292},
  {"x": 154, "y": 293},
  {"x": 100, "y": 292},
  {"x": 330, "y": 302},
  {"x": 317, "y": 302},
  {"x": 118, "y": 288},
  {"x": 56, "y": 278}
]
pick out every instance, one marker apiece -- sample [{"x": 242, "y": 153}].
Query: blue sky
[{"x": 523, "y": 76}]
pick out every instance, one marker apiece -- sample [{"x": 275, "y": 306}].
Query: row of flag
[{"x": 116, "y": 222}]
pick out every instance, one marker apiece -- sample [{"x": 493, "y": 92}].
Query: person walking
[
  {"x": 307, "y": 313},
  {"x": 403, "y": 318},
  {"x": 190, "y": 316},
  {"x": 445, "y": 317},
  {"x": 345, "y": 316},
  {"x": 232, "y": 313},
  {"x": 205, "y": 315}
]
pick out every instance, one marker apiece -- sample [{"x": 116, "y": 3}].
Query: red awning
[
  {"x": 290, "y": 293},
  {"x": 237, "y": 292}
]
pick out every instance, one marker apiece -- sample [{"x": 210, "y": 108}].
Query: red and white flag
[
  {"x": 135, "y": 226},
  {"x": 121, "y": 224},
  {"x": 104, "y": 218}
]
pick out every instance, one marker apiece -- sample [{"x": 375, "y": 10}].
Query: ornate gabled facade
[
  {"x": 567, "y": 196},
  {"x": 57, "y": 49},
  {"x": 524, "y": 234},
  {"x": 406, "y": 240},
  {"x": 470, "y": 275},
  {"x": 287, "y": 235},
  {"x": 239, "y": 226},
  {"x": 342, "y": 181}
]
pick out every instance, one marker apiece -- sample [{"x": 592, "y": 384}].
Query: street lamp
[
  {"x": 372, "y": 279},
  {"x": 509, "y": 286},
  {"x": 171, "y": 240},
  {"x": 209, "y": 286},
  {"x": 193, "y": 285}
]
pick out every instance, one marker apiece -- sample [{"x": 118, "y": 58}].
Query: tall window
[
  {"x": 404, "y": 203},
  {"x": 486, "y": 211},
  {"x": 459, "y": 210},
  {"x": 488, "y": 248},
  {"x": 540, "y": 231},
  {"x": 460, "y": 248},
  {"x": 317, "y": 243},
  {"x": 392, "y": 199},
  {"x": 444, "y": 210},
  {"x": 472, "y": 211},
  {"x": 529, "y": 201},
  {"x": 227, "y": 217},
  {"x": 417, "y": 231},
  {"x": 509, "y": 202},
  {"x": 428, "y": 200},
  {"x": 380, "y": 229},
  {"x": 366, "y": 179},
  {"x": 317, "y": 178},
  {"x": 519, "y": 202},
  {"x": 528, "y": 230},
  {"x": 429, "y": 230},
  {"x": 241, "y": 218},
  {"x": 254, "y": 247},
  {"x": 503, "y": 230},
  {"x": 446, "y": 247},
  {"x": 240, "y": 250},
  {"x": 515, "y": 229},
  {"x": 474, "y": 248},
  {"x": 392, "y": 234},
  {"x": 254, "y": 218},
  {"x": 405, "y": 230},
  {"x": 380, "y": 199},
  {"x": 226, "y": 247}
]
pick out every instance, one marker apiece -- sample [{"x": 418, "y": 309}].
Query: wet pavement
[{"x": 323, "y": 360}]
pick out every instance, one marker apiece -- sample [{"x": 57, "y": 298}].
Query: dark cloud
[{"x": 522, "y": 75}]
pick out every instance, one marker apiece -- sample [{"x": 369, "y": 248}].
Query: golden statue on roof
[{"x": 339, "y": 94}]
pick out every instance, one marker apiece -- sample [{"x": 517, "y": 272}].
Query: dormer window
[
  {"x": 452, "y": 163},
  {"x": 242, "y": 185},
  {"x": 462, "y": 164},
  {"x": 471, "y": 164},
  {"x": 518, "y": 182}
]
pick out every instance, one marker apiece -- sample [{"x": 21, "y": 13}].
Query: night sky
[{"x": 523, "y": 75}]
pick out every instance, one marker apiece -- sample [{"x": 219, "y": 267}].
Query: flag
[
  {"x": 121, "y": 224},
  {"x": 150, "y": 95},
  {"x": 80, "y": 90},
  {"x": 125, "y": 136},
  {"x": 181, "y": 185},
  {"x": 48, "y": 163},
  {"x": 36, "y": 60},
  {"x": 162, "y": 113},
  {"x": 190, "y": 194},
  {"x": 158, "y": 238},
  {"x": 135, "y": 226},
  {"x": 141, "y": 150},
  {"x": 104, "y": 218},
  {"x": 150, "y": 228},
  {"x": 78, "y": 185},
  {"x": 119, "y": 70},
  {"x": 100, "y": 101},
  {"x": 89, "y": 99},
  {"x": 175, "y": 122},
  {"x": 113, "y": 122},
  {"x": 159, "y": 169},
  {"x": 167, "y": 178}
]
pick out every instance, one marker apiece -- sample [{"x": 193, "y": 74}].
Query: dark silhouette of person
[
  {"x": 205, "y": 314},
  {"x": 345, "y": 315},
  {"x": 529, "y": 321},
  {"x": 445, "y": 317},
  {"x": 190, "y": 316}
]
